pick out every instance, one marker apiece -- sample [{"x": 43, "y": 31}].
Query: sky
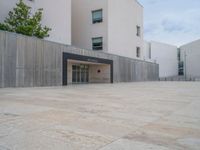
[{"x": 174, "y": 22}]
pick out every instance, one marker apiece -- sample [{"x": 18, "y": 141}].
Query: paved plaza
[{"x": 124, "y": 116}]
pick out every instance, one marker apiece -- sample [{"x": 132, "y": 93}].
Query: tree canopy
[{"x": 22, "y": 21}]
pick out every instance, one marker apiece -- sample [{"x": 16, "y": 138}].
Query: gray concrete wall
[{"x": 29, "y": 62}]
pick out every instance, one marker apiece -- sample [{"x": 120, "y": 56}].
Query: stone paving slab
[
  {"x": 124, "y": 116},
  {"x": 124, "y": 144}
]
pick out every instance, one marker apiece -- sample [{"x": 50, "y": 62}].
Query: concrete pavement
[{"x": 124, "y": 116}]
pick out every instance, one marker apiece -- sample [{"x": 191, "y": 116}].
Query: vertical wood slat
[
  {"x": 20, "y": 62},
  {"x": 10, "y": 60},
  {"x": 39, "y": 66},
  {"x": 59, "y": 66},
  {"x": 2, "y": 48},
  {"x": 47, "y": 51},
  {"x": 30, "y": 62}
]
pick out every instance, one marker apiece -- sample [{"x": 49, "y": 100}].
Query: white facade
[
  {"x": 118, "y": 28},
  {"x": 163, "y": 54},
  {"x": 83, "y": 30},
  {"x": 56, "y": 15},
  {"x": 190, "y": 55},
  {"x": 147, "y": 51}
]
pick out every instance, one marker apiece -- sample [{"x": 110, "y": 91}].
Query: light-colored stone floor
[{"x": 125, "y": 116}]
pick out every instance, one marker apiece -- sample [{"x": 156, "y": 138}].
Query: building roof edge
[{"x": 139, "y": 3}]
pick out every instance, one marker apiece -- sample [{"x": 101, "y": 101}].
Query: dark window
[
  {"x": 149, "y": 50},
  {"x": 80, "y": 73},
  {"x": 181, "y": 68},
  {"x": 179, "y": 54},
  {"x": 138, "y": 30},
  {"x": 97, "y": 43},
  {"x": 138, "y": 52},
  {"x": 97, "y": 16}
]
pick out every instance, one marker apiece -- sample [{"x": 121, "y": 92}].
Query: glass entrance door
[{"x": 80, "y": 73}]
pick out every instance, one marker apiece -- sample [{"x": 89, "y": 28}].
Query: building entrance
[
  {"x": 79, "y": 69},
  {"x": 80, "y": 73}
]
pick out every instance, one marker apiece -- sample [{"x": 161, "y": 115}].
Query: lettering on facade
[{"x": 92, "y": 60}]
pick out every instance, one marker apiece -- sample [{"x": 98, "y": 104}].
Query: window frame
[
  {"x": 138, "y": 52},
  {"x": 99, "y": 20},
  {"x": 96, "y": 48},
  {"x": 138, "y": 30}
]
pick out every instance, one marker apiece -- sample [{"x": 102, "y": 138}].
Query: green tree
[{"x": 21, "y": 21}]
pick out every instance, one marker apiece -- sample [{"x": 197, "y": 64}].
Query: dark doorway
[{"x": 80, "y": 73}]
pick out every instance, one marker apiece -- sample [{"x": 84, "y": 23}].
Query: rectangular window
[
  {"x": 138, "y": 30},
  {"x": 138, "y": 52},
  {"x": 149, "y": 50},
  {"x": 80, "y": 73},
  {"x": 97, "y": 16},
  {"x": 179, "y": 54},
  {"x": 181, "y": 68},
  {"x": 97, "y": 43}
]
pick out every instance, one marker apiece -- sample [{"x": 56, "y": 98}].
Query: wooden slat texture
[
  {"x": 2, "y": 48},
  {"x": 28, "y": 62},
  {"x": 39, "y": 64},
  {"x": 29, "y": 53},
  {"x": 20, "y": 64},
  {"x": 10, "y": 60}
]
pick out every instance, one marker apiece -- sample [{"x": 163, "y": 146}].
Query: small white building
[
  {"x": 56, "y": 15},
  {"x": 113, "y": 26},
  {"x": 190, "y": 59},
  {"x": 165, "y": 55}
]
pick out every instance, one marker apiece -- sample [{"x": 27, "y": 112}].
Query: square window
[
  {"x": 138, "y": 30},
  {"x": 97, "y": 16},
  {"x": 138, "y": 52},
  {"x": 97, "y": 43}
]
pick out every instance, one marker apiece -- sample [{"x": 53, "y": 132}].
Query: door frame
[
  {"x": 86, "y": 74},
  {"x": 67, "y": 56}
]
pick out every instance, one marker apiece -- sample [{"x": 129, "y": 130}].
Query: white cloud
[{"x": 170, "y": 24}]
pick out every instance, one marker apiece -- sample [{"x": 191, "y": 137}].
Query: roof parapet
[{"x": 139, "y": 3}]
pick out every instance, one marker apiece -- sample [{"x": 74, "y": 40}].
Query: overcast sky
[{"x": 171, "y": 21}]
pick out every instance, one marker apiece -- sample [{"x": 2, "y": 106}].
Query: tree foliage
[{"x": 21, "y": 21}]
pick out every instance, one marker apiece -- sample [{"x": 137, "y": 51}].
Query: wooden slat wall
[{"x": 29, "y": 62}]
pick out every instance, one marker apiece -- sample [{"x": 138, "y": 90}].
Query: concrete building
[
  {"x": 163, "y": 54},
  {"x": 56, "y": 15},
  {"x": 189, "y": 61},
  {"x": 30, "y": 62},
  {"x": 98, "y": 25},
  {"x": 147, "y": 51},
  {"x": 113, "y": 26}
]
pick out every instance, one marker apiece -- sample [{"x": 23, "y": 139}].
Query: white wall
[
  {"x": 83, "y": 30},
  {"x": 56, "y": 15},
  {"x": 147, "y": 51},
  {"x": 118, "y": 29},
  {"x": 192, "y": 51},
  {"x": 123, "y": 17},
  {"x": 99, "y": 77},
  {"x": 166, "y": 56}
]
